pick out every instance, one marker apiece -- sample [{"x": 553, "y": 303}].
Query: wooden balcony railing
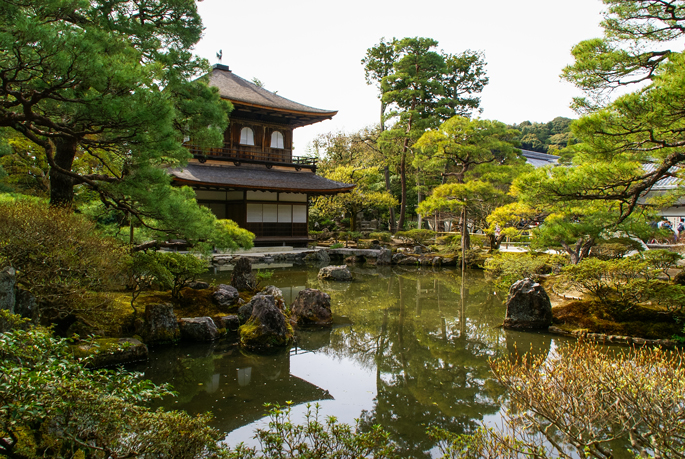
[{"x": 247, "y": 154}]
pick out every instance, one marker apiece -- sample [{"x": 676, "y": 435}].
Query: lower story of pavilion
[{"x": 271, "y": 203}]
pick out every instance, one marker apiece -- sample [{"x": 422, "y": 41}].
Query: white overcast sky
[{"x": 310, "y": 50}]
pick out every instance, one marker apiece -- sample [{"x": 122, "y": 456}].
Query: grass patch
[{"x": 639, "y": 321}]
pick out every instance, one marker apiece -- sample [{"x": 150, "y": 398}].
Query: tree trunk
[
  {"x": 353, "y": 221},
  {"x": 418, "y": 198},
  {"x": 465, "y": 238},
  {"x": 403, "y": 170},
  {"x": 386, "y": 172},
  {"x": 62, "y": 185},
  {"x": 580, "y": 250},
  {"x": 403, "y": 180}
]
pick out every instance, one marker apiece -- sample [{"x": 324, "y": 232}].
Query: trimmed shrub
[
  {"x": 506, "y": 268},
  {"x": 416, "y": 236},
  {"x": 382, "y": 236},
  {"x": 59, "y": 256},
  {"x": 623, "y": 283},
  {"x": 168, "y": 270},
  {"x": 615, "y": 248}
]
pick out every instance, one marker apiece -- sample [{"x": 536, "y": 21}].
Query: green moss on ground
[
  {"x": 116, "y": 316},
  {"x": 638, "y": 321}
]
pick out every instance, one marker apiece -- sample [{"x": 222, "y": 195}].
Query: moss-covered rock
[
  {"x": 160, "y": 324},
  {"x": 267, "y": 326},
  {"x": 311, "y": 307},
  {"x": 198, "y": 329},
  {"x": 104, "y": 352}
]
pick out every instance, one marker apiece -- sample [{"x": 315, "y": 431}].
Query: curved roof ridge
[{"x": 236, "y": 88}]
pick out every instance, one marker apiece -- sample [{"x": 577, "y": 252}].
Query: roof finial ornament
[{"x": 219, "y": 55}]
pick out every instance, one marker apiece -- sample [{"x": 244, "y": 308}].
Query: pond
[{"x": 410, "y": 350}]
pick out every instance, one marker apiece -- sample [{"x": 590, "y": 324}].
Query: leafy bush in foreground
[
  {"x": 315, "y": 439},
  {"x": 52, "y": 406},
  {"x": 584, "y": 401}
]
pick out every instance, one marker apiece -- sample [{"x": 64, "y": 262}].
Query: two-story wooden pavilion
[{"x": 254, "y": 179}]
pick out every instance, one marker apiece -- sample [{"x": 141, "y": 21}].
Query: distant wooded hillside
[{"x": 545, "y": 137}]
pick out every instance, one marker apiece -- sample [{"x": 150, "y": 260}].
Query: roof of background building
[
  {"x": 538, "y": 159},
  {"x": 666, "y": 183}
]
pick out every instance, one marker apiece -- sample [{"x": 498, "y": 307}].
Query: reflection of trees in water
[
  {"x": 430, "y": 351},
  {"x": 427, "y": 337}
]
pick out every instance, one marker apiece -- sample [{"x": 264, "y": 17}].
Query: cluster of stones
[
  {"x": 378, "y": 255},
  {"x": 309, "y": 256},
  {"x": 262, "y": 323},
  {"x": 423, "y": 260}
]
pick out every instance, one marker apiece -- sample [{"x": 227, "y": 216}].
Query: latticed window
[
  {"x": 246, "y": 136},
  {"x": 277, "y": 140}
]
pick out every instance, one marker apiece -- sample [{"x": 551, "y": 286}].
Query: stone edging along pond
[{"x": 614, "y": 339}]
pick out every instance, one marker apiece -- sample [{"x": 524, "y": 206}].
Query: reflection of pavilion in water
[{"x": 233, "y": 385}]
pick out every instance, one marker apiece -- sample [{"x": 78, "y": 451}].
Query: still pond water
[{"x": 414, "y": 353}]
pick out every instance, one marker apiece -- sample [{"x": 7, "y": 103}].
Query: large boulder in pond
[
  {"x": 274, "y": 291},
  {"x": 243, "y": 278},
  {"x": 198, "y": 329},
  {"x": 311, "y": 307},
  {"x": 225, "y": 296},
  {"x": 8, "y": 281},
  {"x": 160, "y": 324},
  {"x": 335, "y": 273},
  {"x": 267, "y": 326},
  {"x": 528, "y": 307}
]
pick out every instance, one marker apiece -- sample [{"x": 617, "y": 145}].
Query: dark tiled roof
[
  {"x": 538, "y": 159},
  {"x": 237, "y": 89},
  {"x": 257, "y": 179}
]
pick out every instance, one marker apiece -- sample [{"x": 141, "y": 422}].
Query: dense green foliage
[
  {"x": 369, "y": 193},
  {"x": 164, "y": 270},
  {"x": 625, "y": 282},
  {"x": 506, "y": 268},
  {"x": 480, "y": 156},
  {"x": 52, "y": 406},
  {"x": 59, "y": 256},
  {"x": 106, "y": 91},
  {"x": 629, "y": 144},
  {"x": 550, "y": 137},
  {"x": 416, "y": 236},
  {"x": 421, "y": 88}
]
